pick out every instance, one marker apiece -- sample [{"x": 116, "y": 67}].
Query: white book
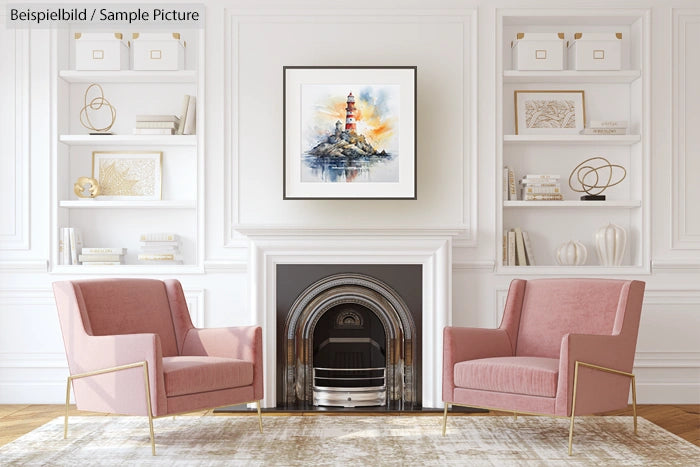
[
  {"x": 183, "y": 114},
  {"x": 96, "y": 257},
  {"x": 159, "y": 257},
  {"x": 158, "y": 237},
  {"x": 161, "y": 249},
  {"x": 191, "y": 117},
  {"x": 65, "y": 240},
  {"x": 505, "y": 248},
  {"x": 604, "y": 131},
  {"x": 153, "y": 131},
  {"x": 608, "y": 124},
  {"x": 543, "y": 197},
  {"x": 512, "y": 192},
  {"x": 505, "y": 183},
  {"x": 157, "y": 118},
  {"x": 529, "y": 252},
  {"x": 541, "y": 176},
  {"x": 76, "y": 243},
  {"x": 170, "y": 125},
  {"x": 520, "y": 258},
  {"x": 103, "y": 251},
  {"x": 101, "y": 263},
  {"x": 511, "y": 248},
  {"x": 542, "y": 182},
  {"x": 540, "y": 190}
]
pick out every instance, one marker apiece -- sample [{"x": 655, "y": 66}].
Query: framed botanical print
[
  {"x": 126, "y": 175},
  {"x": 349, "y": 132},
  {"x": 540, "y": 112}
]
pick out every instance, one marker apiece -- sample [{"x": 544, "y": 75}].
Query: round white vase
[
  {"x": 571, "y": 253},
  {"x": 610, "y": 242}
]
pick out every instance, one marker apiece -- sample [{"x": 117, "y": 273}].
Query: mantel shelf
[
  {"x": 138, "y": 204},
  {"x": 630, "y": 204},
  {"x": 131, "y": 269},
  {"x": 128, "y": 76},
  {"x": 571, "y": 76},
  {"x": 585, "y": 270},
  {"x": 132, "y": 140},
  {"x": 624, "y": 140}
]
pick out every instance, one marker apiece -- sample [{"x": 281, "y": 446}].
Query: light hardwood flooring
[{"x": 18, "y": 419}]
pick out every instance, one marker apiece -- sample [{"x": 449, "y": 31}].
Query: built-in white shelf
[
  {"x": 128, "y": 76},
  {"x": 573, "y": 203},
  {"x": 624, "y": 140},
  {"x": 96, "y": 203},
  {"x": 129, "y": 140},
  {"x": 148, "y": 269},
  {"x": 571, "y": 76},
  {"x": 584, "y": 270}
]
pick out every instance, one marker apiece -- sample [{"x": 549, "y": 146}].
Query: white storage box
[
  {"x": 596, "y": 51},
  {"x": 538, "y": 51},
  {"x": 101, "y": 51},
  {"x": 158, "y": 51}
]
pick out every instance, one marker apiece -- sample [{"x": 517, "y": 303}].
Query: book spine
[
  {"x": 183, "y": 114},
  {"x": 511, "y": 248},
  {"x": 540, "y": 190},
  {"x": 103, "y": 251},
  {"x": 148, "y": 125},
  {"x": 529, "y": 252},
  {"x": 158, "y": 237},
  {"x": 512, "y": 192},
  {"x": 525, "y": 183},
  {"x": 604, "y": 131},
  {"x": 541, "y": 176},
  {"x": 100, "y": 257},
  {"x": 155, "y": 257},
  {"x": 190, "y": 120},
  {"x": 64, "y": 247},
  {"x": 520, "y": 248},
  {"x": 543, "y": 197},
  {"x": 101, "y": 263},
  {"x": 72, "y": 243},
  {"x": 607, "y": 124},
  {"x": 153, "y": 131},
  {"x": 505, "y": 248},
  {"x": 505, "y": 184},
  {"x": 156, "y": 118}
]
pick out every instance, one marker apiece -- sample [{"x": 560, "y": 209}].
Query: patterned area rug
[{"x": 349, "y": 440}]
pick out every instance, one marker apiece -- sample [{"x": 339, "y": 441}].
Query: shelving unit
[
  {"x": 608, "y": 95},
  {"x": 119, "y": 223}
]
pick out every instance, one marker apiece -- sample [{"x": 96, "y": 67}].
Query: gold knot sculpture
[
  {"x": 86, "y": 187},
  {"x": 95, "y": 104},
  {"x": 594, "y": 176}
]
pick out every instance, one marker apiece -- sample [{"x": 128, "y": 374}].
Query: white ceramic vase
[
  {"x": 571, "y": 253},
  {"x": 610, "y": 242}
]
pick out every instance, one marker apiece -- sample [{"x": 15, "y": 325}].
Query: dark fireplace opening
[{"x": 348, "y": 336}]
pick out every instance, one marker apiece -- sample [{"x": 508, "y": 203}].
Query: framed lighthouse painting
[{"x": 349, "y": 132}]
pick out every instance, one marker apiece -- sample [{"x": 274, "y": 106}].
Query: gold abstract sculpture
[
  {"x": 95, "y": 104},
  {"x": 86, "y": 187},
  {"x": 588, "y": 175}
]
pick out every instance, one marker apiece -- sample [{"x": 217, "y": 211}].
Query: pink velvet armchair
[
  {"x": 132, "y": 349},
  {"x": 565, "y": 347}
]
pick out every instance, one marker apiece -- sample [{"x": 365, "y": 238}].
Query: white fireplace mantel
[{"x": 431, "y": 248}]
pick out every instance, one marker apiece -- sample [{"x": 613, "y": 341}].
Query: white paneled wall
[{"x": 452, "y": 42}]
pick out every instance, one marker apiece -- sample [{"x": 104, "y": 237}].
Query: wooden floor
[{"x": 682, "y": 420}]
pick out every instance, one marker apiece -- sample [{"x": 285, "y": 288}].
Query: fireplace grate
[{"x": 349, "y": 387}]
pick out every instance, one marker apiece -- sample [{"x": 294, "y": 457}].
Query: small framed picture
[
  {"x": 549, "y": 112},
  {"x": 349, "y": 132},
  {"x": 127, "y": 175}
]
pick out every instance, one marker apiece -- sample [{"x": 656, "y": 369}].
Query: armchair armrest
[
  {"x": 460, "y": 344},
  {"x": 241, "y": 343},
  {"x": 94, "y": 353},
  {"x": 598, "y": 391}
]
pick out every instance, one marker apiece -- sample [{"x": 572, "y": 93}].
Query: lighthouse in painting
[{"x": 350, "y": 114}]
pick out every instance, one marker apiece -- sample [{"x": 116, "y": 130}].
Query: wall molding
[
  {"x": 467, "y": 237},
  {"x": 17, "y": 235},
  {"x": 682, "y": 238}
]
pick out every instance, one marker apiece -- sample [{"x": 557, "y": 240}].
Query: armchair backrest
[
  {"x": 126, "y": 306},
  {"x": 552, "y": 308}
]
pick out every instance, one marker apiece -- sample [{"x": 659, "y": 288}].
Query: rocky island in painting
[{"x": 349, "y": 138}]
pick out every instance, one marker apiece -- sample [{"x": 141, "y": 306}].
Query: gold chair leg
[
  {"x": 65, "y": 422},
  {"x": 634, "y": 404},
  {"x": 147, "y": 384},
  {"x": 573, "y": 409},
  {"x": 257, "y": 403},
  {"x": 515, "y": 415},
  {"x": 444, "y": 419}
]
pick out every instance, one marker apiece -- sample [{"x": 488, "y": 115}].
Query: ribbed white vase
[
  {"x": 610, "y": 242},
  {"x": 571, "y": 253}
]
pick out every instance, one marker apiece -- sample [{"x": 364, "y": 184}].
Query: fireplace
[{"x": 349, "y": 336}]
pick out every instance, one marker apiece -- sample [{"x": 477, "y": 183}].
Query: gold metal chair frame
[
  {"x": 147, "y": 386},
  {"x": 573, "y": 403}
]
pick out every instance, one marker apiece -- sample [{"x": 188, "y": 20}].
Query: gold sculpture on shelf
[
  {"x": 588, "y": 175},
  {"x": 95, "y": 104},
  {"x": 86, "y": 187}
]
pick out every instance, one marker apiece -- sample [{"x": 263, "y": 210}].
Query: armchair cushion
[
  {"x": 195, "y": 374},
  {"x": 533, "y": 376}
]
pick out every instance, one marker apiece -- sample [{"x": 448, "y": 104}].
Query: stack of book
[
  {"x": 156, "y": 125},
  {"x": 605, "y": 127},
  {"x": 99, "y": 256},
  {"x": 536, "y": 187},
  {"x": 517, "y": 249},
  {"x": 160, "y": 248},
  {"x": 188, "y": 117},
  {"x": 70, "y": 242}
]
